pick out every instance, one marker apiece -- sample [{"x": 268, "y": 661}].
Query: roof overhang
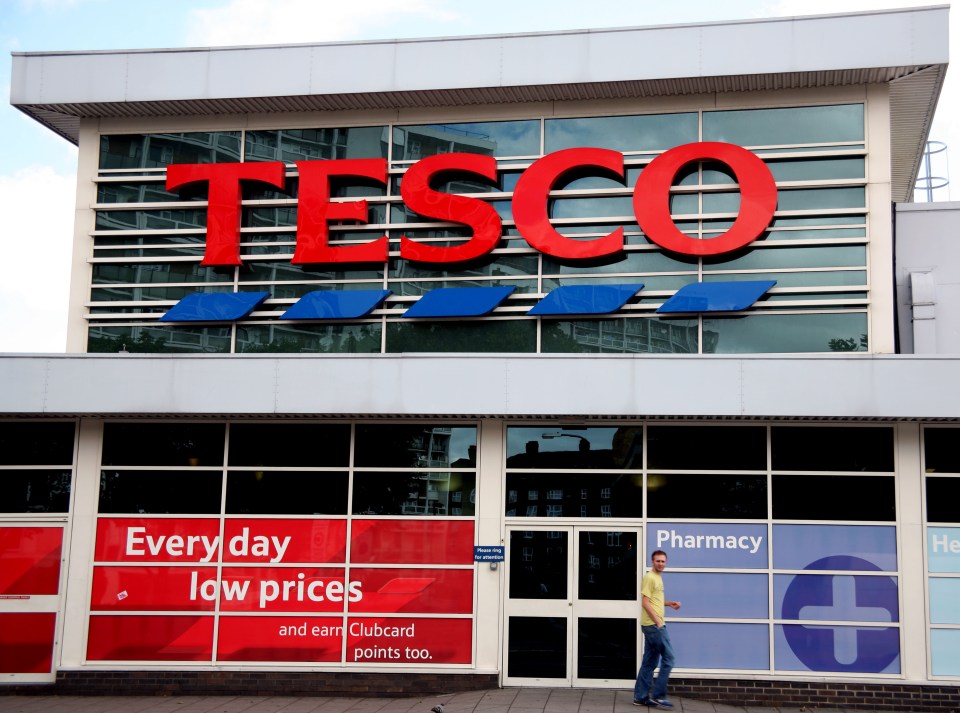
[
  {"x": 588, "y": 386},
  {"x": 906, "y": 49}
]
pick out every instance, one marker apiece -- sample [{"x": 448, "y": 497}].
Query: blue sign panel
[
  {"x": 943, "y": 549},
  {"x": 841, "y": 649},
  {"x": 799, "y": 546},
  {"x": 717, "y": 296},
  {"x": 944, "y": 600},
  {"x": 214, "y": 306},
  {"x": 488, "y": 553},
  {"x": 720, "y": 595},
  {"x": 945, "y": 652},
  {"x": 586, "y": 299},
  {"x": 702, "y": 545},
  {"x": 336, "y": 304},
  {"x": 745, "y": 647},
  {"x": 459, "y": 302}
]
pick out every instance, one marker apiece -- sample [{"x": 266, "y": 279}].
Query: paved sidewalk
[{"x": 509, "y": 700}]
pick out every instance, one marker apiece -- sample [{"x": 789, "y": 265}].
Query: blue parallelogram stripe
[
  {"x": 585, "y": 299},
  {"x": 336, "y": 304},
  {"x": 716, "y": 296},
  {"x": 214, "y": 307},
  {"x": 459, "y": 302}
]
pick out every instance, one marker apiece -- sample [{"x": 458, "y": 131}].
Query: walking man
[{"x": 656, "y": 640}]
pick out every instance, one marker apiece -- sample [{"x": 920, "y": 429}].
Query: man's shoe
[
  {"x": 660, "y": 703},
  {"x": 645, "y": 702}
]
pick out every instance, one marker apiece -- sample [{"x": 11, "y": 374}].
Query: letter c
[{"x": 758, "y": 198}]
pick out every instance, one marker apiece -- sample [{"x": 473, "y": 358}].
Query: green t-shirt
[{"x": 652, "y": 589}]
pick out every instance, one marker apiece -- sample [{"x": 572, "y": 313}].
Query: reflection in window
[
  {"x": 621, "y": 336},
  {"x": 286, "y": 493},
  {"x": 834, "y": 497},
  {"x": 291, "y": 145},
  {"x": 624, "y": 494},
  {"x": 36, "y": 443},
  {"x": 544, "y": 574},
  {"x": 493, "y": 336},
  {"x": 943, "y": 494},
  {"x": 940, "y": 451},
  {"x": 416, "y": 494},
  {"x": 646, "y": 132},
  {"x": 160, "y": 492},
  {"x": 488, "y": 138},
  {"x": 737, "y": 497},
  {"x": 779, "y": 127},
  {"x": 707, "y": 447},
  {"x": 158, "y": 150},
  {"x": 35, "y": 491},
  {"x": 785, "y": 333},
  {"x": 289, "y": 444},
  {"x": 415, "y": 446},
  {"x": 594, "y": 447},
  {"x": 818, "y": 448},
  {"x": 180, "y": 444}
]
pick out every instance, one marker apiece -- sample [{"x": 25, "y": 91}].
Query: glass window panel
[
  {"x": 537, "y": 647},
  {"x": 563, "y": 208},
  {"x": 517, "y": 336},
  {"x": 825, "y": 278},
  {"x": 821, "y": 198},
  {"x": 785, "y": 333},
  {"x": 158, "y": 150},
  {"x": 645, "y": 261},
  {"x": 289, "y": 444},
  {"x": 145, "y": 273},
  {"x": 650, "y": 132},
  {"x": 417, "y": 494},
  {"x": 160, "y": 492},
  {"x": 171, "y": 219},
  {"x": 794, "y": 257},
  {"x": 942, "y": 554},
  {"x": 417, "y": 287},
  {"x": 538, "y": 564},
  {"x": 291, "y": 145},
  {"x": 268, "y": 492},
  {"x": 650, "y": 282},
  {"x": 740, "y": 497},
  {"x": 850, "y": 448},
  {"x": 154, "y": 339},
  {"x": 39, "y": 491},
  {"x": 707, "y": 447},
  {"x": 549, "y": 446},
  {"x": 488, "y": 138},
  {"x": 309, "y": 338},
  {"x": 163, "y": 443},
  {"x": 777, "y": 127},
  {"x": 941, "y": 449},
  {"x": 141, "y": 192},
  {"x": 817, "y": 169},
  {"x": 608, "y": 565},
  {"x": 496, "y": 265},
  {"x": 708, "y": 645},
  {"x": 818, "y": 234},
  {"x": 150, "y": 294},
  {"x": 835, "y": 547},
  {"x": 834, "y": 497},
  {"x": 415, "y": 446},
  {"x": 717, "y": 595},
  {"x": 284, "y": 271},
  {"x": 638, "y": 335},
  {"x": 36, "y": 443},
  {"x": 607, "y": 495},
  {"x": 606, "y": 648},
  {"x": 721, "y": 202},
  {"x": 943, "y": 494}
]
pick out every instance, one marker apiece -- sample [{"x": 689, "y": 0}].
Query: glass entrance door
[{"x": 571, "y": 607}]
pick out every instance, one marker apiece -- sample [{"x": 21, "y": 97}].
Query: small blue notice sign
[{"x": 488, "y": 553}]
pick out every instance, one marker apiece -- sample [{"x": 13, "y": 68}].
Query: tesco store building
[{"x": 390, "y": 363}]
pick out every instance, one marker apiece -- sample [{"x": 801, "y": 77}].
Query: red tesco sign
[{"x": 651, "y": 203}]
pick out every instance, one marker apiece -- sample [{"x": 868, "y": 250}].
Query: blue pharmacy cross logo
[{"x": 842, "y": 597}]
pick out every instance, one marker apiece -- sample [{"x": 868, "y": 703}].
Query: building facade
[{"x": 394, "y": 378}]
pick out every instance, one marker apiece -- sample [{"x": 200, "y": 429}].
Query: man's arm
[{"x": 672, "y": 605}]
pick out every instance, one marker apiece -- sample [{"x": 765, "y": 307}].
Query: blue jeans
[{"x": 656, "y": 649}]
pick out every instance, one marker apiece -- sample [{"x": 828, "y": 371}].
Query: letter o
[{"x": 758, "y": 198}]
